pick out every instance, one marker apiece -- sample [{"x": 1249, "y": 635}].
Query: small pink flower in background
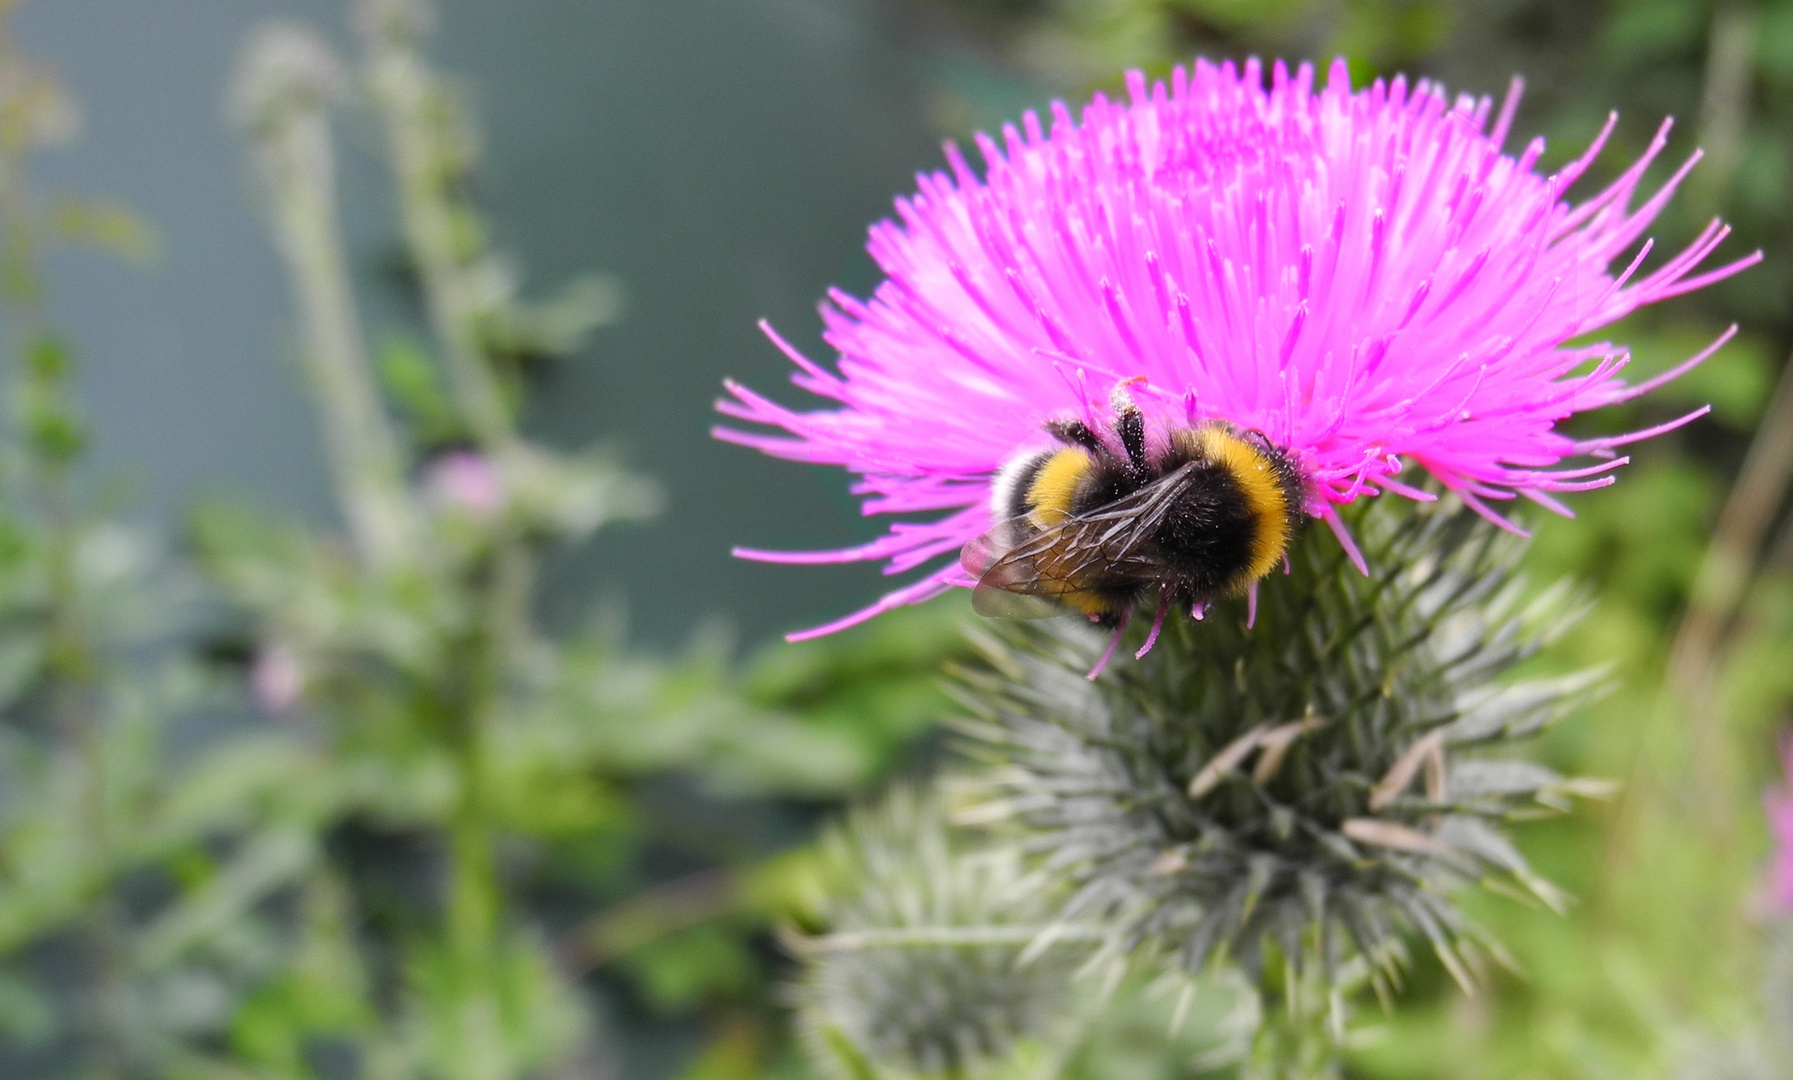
[
  {"x": 1365, "y": 277},
  {"x": 276, "y": 679},
  {"x": 467, "y": 481},
  {"x": 1779, "y": 805}
]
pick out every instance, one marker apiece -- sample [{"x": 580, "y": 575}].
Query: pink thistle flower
[
  {"x": 465, "y": 481},
  {"x": 1779, "y": 806},
  {"x": 1365, "y": 277},
  {"x": 276, "y": 679}
]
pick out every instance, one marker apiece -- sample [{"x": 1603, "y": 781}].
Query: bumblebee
[{"x": 1098, "y": 524}]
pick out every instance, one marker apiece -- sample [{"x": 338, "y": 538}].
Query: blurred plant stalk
[
  {"x": 427, "y": 159},
  {"x": 49, "y": 429},
  {"x": 48, "y": 443},
  {"x": 290, "y": 81},
  {"x": 427, "y": 145},
  {"x": 1731, "y": 562},
  {"x": 1724, "y": 102},
  {"x": 1690, "y": 711},
  {"x": 417, "y": 115},
  {"x": 289, "y": 84}
]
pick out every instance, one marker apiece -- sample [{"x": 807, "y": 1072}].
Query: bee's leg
[
  {"x": 1164, "y": 605},
  {"x": 1129, "y": 422},
  {"x": 1074, "y": 433},
  {"x": 1108, "y": 653}
]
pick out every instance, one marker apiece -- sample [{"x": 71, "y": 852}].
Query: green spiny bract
[
  {"x": 920, "y": 975},
  {"x": 1305, "y": 789}
]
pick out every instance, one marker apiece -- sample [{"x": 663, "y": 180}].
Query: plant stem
[
  {"x": 358, "y": 441},
  {"x": 474, "y": 908},
  {"x": 653, "y": 914},
  {"x": 1718, "y": 592},
  {"x": 419, "y": 132},
  {"x": 928, "y": 937},
  {"x": 1724, "y": 103},
  {"x": 418, "y": 122},
  {"x": 50, "y": 442}
]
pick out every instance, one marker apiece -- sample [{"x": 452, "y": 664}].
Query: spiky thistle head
[
  {"x": 1367, "y": 277},
  {"x": 920, "y": 971},
  {"x": 1307, "y": 788}
]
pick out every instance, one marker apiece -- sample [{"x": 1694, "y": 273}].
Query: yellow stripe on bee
[
  {"x": 1264, "y": 498},
  {"x": 1054, "y": 485},
  {"x": 1090, "y": 603}
]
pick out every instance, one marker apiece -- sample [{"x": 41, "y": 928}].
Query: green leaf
[
  {"x": 110, "y": 226},
  {"x": 410, "y": 375},
  {"x": 265, "y": 863},
  {"x": 678, "y": 971},
  {"x": 27, "y": 1014}
]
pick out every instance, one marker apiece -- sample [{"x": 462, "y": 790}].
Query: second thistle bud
[{"x": 923, "y": 973}]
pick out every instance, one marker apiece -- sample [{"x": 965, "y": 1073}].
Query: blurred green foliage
[{"x": 331, "y": 807}]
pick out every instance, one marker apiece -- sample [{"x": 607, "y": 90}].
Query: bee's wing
[
  {"x": 982, "y": 553},
  {"x": 991, "y": 599},
  {"x": 996, "y": 603},
  {"x": 1018, "y": 583}
]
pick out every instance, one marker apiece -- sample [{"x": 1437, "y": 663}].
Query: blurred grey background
[{"x": 722, "y": 157}]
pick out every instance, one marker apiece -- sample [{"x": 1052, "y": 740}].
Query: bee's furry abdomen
[
  {"x": 1209, "y": 535},
  {"x": 1043, "y": 489},
  {"x": 1034, "y": 493},
  {"x": 1008, "y": 500}
]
